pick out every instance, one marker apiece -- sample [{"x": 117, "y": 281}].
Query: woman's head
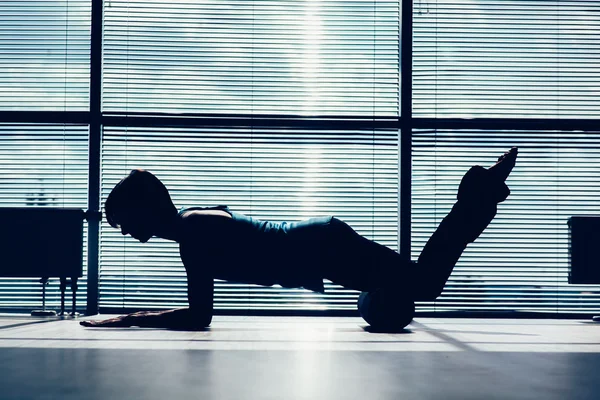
[{"x": 140, "y": 205}]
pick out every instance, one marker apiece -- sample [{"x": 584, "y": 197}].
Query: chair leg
[{"x": 43, "y": 312}]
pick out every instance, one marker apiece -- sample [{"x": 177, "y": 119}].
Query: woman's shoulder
[
  {"x": 204, "y": 223},
  {"x": 198, "y": 214},
  {"x": 216, "y": 210},
  {"x": 203, "y": 230}
]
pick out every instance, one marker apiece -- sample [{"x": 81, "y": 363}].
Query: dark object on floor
[
  {"x": 584, "y": 259},
  {"x": 43, "y": 242},
  {"x": 385, "y": 312},
  {"x": 584, "y": 242}
]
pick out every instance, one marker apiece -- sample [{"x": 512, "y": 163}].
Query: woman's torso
[{"x": 239, "y": 248}]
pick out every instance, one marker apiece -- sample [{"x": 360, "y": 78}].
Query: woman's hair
[{"x": 140, "y": 189}]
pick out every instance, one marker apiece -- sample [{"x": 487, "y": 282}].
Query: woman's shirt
[{"x": 248, "y": 250}]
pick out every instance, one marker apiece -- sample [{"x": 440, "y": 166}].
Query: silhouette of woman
[{"x": 218, "y": 243}]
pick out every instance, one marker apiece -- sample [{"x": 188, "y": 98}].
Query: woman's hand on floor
[
  {"x": 122, "y": 321},
  {"x": 180, "y": 319}
]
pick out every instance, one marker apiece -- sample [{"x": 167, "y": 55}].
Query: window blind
[
  {"x": 506, "y": 58},
  {"x": 304, "y": 57},
  {"x": 42, "y": 166},
  {"x": 267, "y": 173},
  {"x": 282, "y": 59},
  {"x": 520, "y": 262},
  {"x": 44, "y": 55}
]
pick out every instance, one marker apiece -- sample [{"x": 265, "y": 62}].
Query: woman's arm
[
  {"x": 200, "y": 297},
  {"x": 198, "y": 261},
  {"x": 182, "y": 318},
  {"x": 197, "y": 316},
  {"x": 198, "y": 254}
]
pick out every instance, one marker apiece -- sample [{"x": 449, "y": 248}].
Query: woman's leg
[
  {"x": 389, "y": 282},
  {"x": 478, "y": 195},
  {"x": 355, "y": 262},
  {"x": 358, "y": 263}
]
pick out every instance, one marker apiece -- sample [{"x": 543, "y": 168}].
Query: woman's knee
[
  {"x": 427, "y": 290},
  {"x": 427, "y": 294},
  {"x": 426, "y": 283}
]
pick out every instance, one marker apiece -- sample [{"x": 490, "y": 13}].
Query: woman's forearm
[{"x": 181, "y": 318}]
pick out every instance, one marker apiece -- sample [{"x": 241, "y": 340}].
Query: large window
[
  {"x": 506, "y": 58},
  {"x": 285, "y": 110},
  {"x": 520, "y": 262},
  {"x": 307, "y": 57},
  {"x": 41, "y": 166},
  {"x": 308, "y": 70},
  {"x": 272, "y": 174},
  {"x": 44, "y": 66},
  {"x": 516, "y": 69},
  {"x": 45, "y": 61}
]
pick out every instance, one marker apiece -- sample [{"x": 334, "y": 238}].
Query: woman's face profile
[
  {"x": 140, "y": 206},
  {"x": 135, "y": 223}
]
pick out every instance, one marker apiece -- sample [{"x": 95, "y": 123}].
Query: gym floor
[{"x": 301, "y": 358}]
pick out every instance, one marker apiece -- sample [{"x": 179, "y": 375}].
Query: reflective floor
[{"x": 301, "y": 358}]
